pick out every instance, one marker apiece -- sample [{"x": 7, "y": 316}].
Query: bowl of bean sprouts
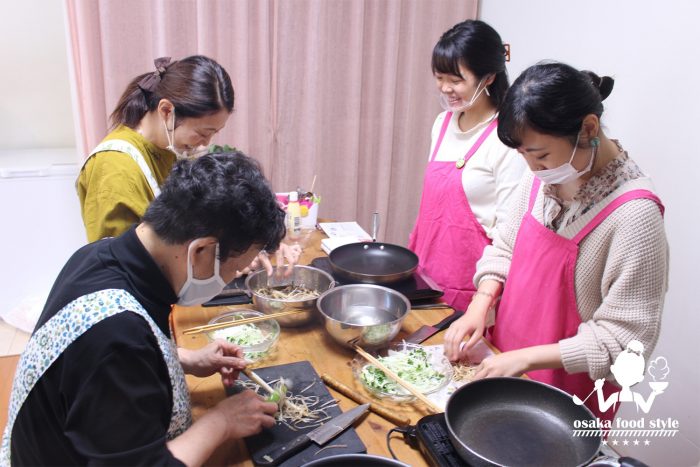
[{"x": 297, "y": 291}]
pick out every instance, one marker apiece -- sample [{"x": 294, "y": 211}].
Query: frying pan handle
[{"x": 375, "y": 226}]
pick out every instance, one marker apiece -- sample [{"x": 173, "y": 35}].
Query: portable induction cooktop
[
  {"x": 418, "y": 288},
  {"x": 434, "y": 442}
]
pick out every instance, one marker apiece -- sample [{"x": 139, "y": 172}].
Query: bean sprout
[
  {"x": 307, "y": 387},
  {"x": 464, "y": 372},
  {"x": 332, "y": 446},
  {"x": 298, "y": 412},
  {"x": 288, "y": 292}
]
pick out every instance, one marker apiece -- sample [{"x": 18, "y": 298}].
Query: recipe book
[{"x": 342, "y": 233}]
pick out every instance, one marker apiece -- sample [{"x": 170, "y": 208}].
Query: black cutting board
[{"x": 302, "y": 374}]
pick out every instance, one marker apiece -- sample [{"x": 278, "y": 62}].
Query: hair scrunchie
[{"x": 149, "y": 82}]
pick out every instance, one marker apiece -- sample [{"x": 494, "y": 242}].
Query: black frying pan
[
  {"x": 373, "y": 263},
  {"x": 517, "y": 421}
]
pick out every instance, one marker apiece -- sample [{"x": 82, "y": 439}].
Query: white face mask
[
  {"x": 445, "y": 102},
  {"x": 199, "y": 151},
  {"x": 170, "y": 134},
  {"x": 565, "y": 173},
  {"x": 198, "y": 291}
]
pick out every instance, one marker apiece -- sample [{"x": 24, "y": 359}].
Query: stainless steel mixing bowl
[
  {"x": 306, "y": 276},
  {"x": 370, "y": 315}
]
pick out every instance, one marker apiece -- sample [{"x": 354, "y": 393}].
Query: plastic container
[
  {"x": 293, "y": 216},
  {"x": 308, "y": 203}
]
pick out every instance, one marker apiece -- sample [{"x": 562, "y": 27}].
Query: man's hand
[
  {"x": 246, "y": 414},
  {"x": 219, "y": 356}
]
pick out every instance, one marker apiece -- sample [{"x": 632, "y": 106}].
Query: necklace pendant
[{"x": 460, "y": 163}]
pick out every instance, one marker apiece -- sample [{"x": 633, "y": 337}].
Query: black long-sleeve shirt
[{"x": 107, "y": 399}]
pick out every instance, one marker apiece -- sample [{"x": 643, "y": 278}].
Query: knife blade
[
  {"x": 320, "y": 436},
  {"x": 426, "y": 331}
]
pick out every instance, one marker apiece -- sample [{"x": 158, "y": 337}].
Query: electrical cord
[{"x": 409, "y": 436}]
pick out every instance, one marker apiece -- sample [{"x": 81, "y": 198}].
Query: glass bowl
[
  {"x": 256, "y": 339},
  {"x": 427, "y": 369}
]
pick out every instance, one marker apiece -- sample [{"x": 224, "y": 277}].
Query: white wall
[
  {"x": 41, "y": 223},
  {"x": 650, "y": 48}
]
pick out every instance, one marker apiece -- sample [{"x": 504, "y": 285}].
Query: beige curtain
[{"x": 337, "y": 89}]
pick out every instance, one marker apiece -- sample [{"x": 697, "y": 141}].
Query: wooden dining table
[{"x": 311, "y": 343}]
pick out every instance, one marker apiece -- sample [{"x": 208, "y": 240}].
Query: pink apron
[
  {"x": 447, "y": 237},
  {"x": 539, "y": 301}
]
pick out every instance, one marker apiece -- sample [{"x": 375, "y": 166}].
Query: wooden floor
[
  {"x": 7, "y": 373},
  {"x": 12, "y": 340}
]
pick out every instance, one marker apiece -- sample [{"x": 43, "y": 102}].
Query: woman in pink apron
[
  {"x": 583, "y": 259},
  {"x": 470, "y": 174}
]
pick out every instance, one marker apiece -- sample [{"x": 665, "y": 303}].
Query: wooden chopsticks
[
  {"x": 258, "y": 380},
  {"x": 405, "y": 384},
  {"x": 373, "y": 406},
  {"x": 228, "y": 324},
  {"x": 261, "y": 382}
]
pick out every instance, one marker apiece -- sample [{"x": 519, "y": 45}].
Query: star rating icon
[{"x": 625, "y": 442}]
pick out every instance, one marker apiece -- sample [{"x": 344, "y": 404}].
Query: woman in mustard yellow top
[{"x": 162, "y": 115}]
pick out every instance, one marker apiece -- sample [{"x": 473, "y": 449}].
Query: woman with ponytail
[
  {"x": 164, "y": 114},
  {"x": 583, "y": 260},
  {"x": 168, "y": 114}
]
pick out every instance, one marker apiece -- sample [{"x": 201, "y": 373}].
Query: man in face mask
[{"x": 115, "y": 367}]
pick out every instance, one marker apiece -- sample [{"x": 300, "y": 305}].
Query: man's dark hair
[{"x": 222, "y": 195}]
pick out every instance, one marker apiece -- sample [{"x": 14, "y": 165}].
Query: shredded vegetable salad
[
  {"x": 411, "y": 365},
  {"x": 245, "y": 335}
]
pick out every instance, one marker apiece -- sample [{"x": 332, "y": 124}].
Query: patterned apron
[{"x": 51, "y": 340}]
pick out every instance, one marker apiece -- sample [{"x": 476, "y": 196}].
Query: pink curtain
[{"x": 337, "y": 89}]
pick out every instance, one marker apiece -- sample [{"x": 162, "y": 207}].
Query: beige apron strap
[{"x": 128, "y": 148}]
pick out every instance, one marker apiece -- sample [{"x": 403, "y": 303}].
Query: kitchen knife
[
  {"x": 320, "y": 436},
  {"x": 426, "y": 331}
]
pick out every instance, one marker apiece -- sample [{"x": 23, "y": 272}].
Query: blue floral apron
[{"x": 51, "y": 340}]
